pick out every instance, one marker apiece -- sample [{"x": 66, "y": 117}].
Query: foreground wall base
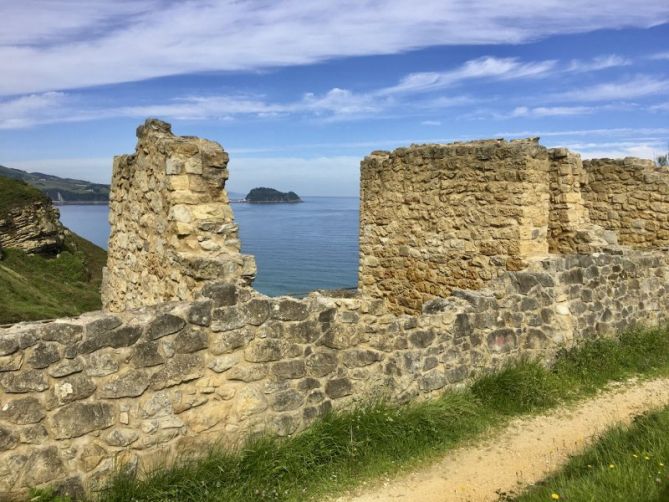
[{"x": 79, "y": 397}]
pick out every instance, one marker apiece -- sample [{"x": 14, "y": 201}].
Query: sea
[{"x": 298, "y": 247}]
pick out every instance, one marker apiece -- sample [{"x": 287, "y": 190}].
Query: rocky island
[{"x": 263, "y": 195}]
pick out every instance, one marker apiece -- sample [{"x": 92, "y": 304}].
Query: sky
[{"x": 298, "y": 92}]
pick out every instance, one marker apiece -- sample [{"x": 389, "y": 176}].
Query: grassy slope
[
  {"x": 626, "y": 464},
  {"x": 15, "y": 193},
  {"x": 345, "y": 449},
  {"x": 34, "y": 287}
]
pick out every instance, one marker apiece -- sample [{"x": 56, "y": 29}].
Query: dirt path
[{"x": 522, "y": 453}]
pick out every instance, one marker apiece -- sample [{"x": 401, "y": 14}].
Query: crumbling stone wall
[
  {"x": 215, "y": 361},
  {"x": 438, "y": 217},
  {"x": 80, "y": 397},
  {"x": 435, "y": 218},
  {"x": 631, "y": 197},
  {"x": 571, "y": 230},
  {"x": 172, "y": 226}
]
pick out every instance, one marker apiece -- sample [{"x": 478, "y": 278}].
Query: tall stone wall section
[
  {"x": 172, "y": 225},
  {"x": 438, "y": 217},
  {"x": 570, "y": 229},
  {"x": 630, "y": 197},
  {"x": 82, "y": 397}
]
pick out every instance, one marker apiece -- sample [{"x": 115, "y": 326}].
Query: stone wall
[
  {"x": 631, "y": 197},
  {"x": 456, "y": 278},
  {"x": 438, "y": 217},
  {"x": 172, "y": 226},
  {"x": 80, "y": 397}
]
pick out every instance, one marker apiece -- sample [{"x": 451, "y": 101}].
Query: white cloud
[
  {"x": 660, "y": 56},
  {"x": 598, "y": 63},
  {"x": 63, "y": 44},
  {"x": 481, "y": 68},
  {"x": 431, "y": 122},
  {"x": 660, "y": 107},
  {"x": 636, "y": 87},
  {"x": 549, "y": 111}
]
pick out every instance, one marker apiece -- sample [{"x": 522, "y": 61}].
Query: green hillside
[
  {"x": 15, "y": 193},
  {"x": 61, "y": 189},
  {"x": 36, "y": 287}
]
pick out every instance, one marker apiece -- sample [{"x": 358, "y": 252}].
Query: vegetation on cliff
[
  {"x": 15, "y": 193},
  {"x": 64, "y": 282},
  {"x": 344, "y": 449},
  {"x": 61, "y": 189},
  {"x": 35, "y": 287},
  {"x": 263, "y": 195}
]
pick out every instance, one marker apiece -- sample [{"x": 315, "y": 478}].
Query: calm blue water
[{"x": 298, "y": 247}]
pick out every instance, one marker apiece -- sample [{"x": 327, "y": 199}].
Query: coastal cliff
[{"x": 28, "y": 220}]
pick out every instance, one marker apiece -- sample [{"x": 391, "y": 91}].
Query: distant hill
[
  {"x": 263, "y": 195},
  {"x": 61, "y": 190}
]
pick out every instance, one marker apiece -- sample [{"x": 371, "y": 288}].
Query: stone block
[
  {"x": 22, "y": 411},
  {"x": 181, "y": 368},
  {"x": 131, "y": 383},
  {"x": 338, "y": 388},
  {"x": 166, "y": 324},
  {"x": 77, "y": 419}
]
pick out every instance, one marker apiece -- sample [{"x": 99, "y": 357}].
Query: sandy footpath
[{"x": 522, "y": 453}]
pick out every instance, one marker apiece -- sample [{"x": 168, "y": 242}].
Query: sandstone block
[
  {"x": 181, "y": 368},
  {"x": 77, "y": 419},
  {"x": 166, "y": 324},
  {"x": 132, "y": 383},
  {"x": 23, "y": 381}
]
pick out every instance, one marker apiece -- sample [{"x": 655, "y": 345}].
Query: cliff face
[
  {"x": 34, "y": 229},
  {"x": 28, "y": 221}
]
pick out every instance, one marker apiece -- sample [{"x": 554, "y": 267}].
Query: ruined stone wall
[
  {"x": 571, "y": 230},
  {"x": 172, "y": 226},
  {"x": 215, "y": 361},
  {"x": 80, "y": 397},
  {"x": 631, "y": 197},
  {"x": 438, "y": 217}
]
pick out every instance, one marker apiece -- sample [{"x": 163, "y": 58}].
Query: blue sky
[{"x": 298, "y": 92}]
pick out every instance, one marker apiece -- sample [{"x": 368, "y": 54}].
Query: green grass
[
  {"x": 14, "y": 193},
  {"x": 346, "y": 449},
  {"x": 35, "y": 287},
  {"x": 626, "y": 464}
]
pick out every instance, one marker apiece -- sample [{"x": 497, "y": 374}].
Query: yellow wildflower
[
  {"x": 611, "y": 466},
  {"x": 555, "y": 496}
]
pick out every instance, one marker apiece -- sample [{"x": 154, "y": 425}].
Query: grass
[
  {"x": 34, "y": 287},
  {"x": 346, "y": 449},
  {"x": 14, "y": 193},
  {"x": 627, "y": 463}
]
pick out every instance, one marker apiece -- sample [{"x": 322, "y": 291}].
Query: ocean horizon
[{"x": 298, "y": 247}]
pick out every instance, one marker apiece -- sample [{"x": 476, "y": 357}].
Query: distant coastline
[{"x": 80, "y": 202}]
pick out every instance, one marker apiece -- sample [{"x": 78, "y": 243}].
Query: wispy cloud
[
  {"x": 481, "y": 68},
  {"x": 64, "y": 44},
  {"x": 550, "y": 111},
  {"x": 636, "y": 87},
  {"x": 660, "y": 56},
  {"x": 597, "y": 63}
]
